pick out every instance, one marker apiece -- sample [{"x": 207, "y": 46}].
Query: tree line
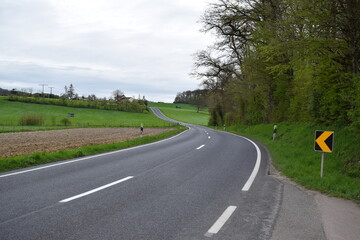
[
  {"x": 198, "y": 98},
  {"x": 118, "y": 101},
  {"x": 282, "y": 60}
]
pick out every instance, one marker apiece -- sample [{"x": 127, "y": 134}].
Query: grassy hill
[
  {"x": 186, "y": 113},
  {"x": 53, "y": 117}
]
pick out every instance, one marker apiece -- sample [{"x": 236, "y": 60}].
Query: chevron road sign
[{"x": 324, "y": 142}]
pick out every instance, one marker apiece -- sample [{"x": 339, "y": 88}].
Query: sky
[{"x": 141, "y": 47}]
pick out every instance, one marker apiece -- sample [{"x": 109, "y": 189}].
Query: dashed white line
[
  {"x": 200, "y": 147},
  {"x": 209, "y": 137},
  {"x": 215, "y": 228},
  {"x": 95, "y": 190}
]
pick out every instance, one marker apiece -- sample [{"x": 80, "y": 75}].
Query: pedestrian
[{"x": 141, "y": 129}]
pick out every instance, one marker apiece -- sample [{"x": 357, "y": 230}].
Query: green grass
[
  {"x": 186, "y": 113},
  {"x": 12, "y": 163},
  {"x": 293, "y": 154},
  {"x": 11, "y": 112}
]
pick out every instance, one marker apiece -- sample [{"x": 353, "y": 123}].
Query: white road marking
[
  {"x": 85, "y": 158},
  {"x": 209, "y": 137},
  {"x": 95, "y": 190},
  {"x": 255, "y": 170},
  {"x": 200, "y": 147},
  {"x": 215, "y": 228},
  {"x": 257, "y": 164}
]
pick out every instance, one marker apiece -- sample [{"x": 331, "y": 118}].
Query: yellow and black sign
[{"x": 324, "y": 141}]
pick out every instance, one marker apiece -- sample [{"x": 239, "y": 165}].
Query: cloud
[{"x": 137, "y": 46}]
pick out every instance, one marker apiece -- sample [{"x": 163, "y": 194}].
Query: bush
[
  {"x": 31, "y": 119},
  {"x": 53, "y": 120},
  {"x": 65, "y": 122}
]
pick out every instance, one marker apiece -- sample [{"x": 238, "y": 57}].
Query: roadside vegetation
[
  {"x": 293, "y": 154},
  {"x": 18, "y": 116},
  {"x": 183, "y": 112},
  {"x": 282, "y": 61},
  {"x": 12, "y": 163},
  {"x": 124, "y": 105}
]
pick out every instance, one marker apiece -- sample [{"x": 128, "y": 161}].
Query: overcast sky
[{"x": 138, "y": 46}]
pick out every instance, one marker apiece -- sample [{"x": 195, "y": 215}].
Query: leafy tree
[{"x": 282, "y": 60}]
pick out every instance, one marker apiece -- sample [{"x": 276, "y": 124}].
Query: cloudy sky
[{"x": 138, "y": 46}]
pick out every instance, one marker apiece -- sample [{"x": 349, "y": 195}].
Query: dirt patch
[{"x": 15, "y": 144}]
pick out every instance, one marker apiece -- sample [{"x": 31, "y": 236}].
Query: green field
[
  {"x": 293, "y": 154},
  {"x": 186, "y": 113},
  {"x": 11, "y": 112}
]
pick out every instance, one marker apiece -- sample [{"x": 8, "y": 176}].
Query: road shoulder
[
  {"x": 341, "y": 218},
  {"x": 306, "y": 214},
  {"x": 299, "y": 216}
]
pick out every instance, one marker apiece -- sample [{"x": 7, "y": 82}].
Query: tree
[
  {"x": 70, "y": 92},
  {"x": 118, "y": 95},
  {"x": 281, "y": 60}
]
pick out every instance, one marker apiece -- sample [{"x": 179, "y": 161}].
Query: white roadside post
[{"x": 274, "y": 132}]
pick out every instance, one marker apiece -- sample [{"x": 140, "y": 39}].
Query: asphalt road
[{"x": 201, "y": 184}]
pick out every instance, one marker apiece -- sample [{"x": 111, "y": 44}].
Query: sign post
[
  {"x": 322, "y": 164},
  {"x": 324, "y": 142}
]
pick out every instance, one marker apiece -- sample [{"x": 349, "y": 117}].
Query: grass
[
  {"x": 12, "y": 163},
  {"x": 293, "y": 154},
  {"x": 53, "y": 116},
  {"x": 186, "y": 113}
]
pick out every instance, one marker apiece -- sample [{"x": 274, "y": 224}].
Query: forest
[{"x": 282, "y": 60}]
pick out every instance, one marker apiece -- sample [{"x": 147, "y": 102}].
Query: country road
[{"x": 200, "y": 184}]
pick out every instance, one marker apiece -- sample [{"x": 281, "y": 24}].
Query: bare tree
[{"x": 118, "y": 95}]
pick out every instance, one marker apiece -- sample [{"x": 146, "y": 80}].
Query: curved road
[{"x": 200, "y": 184}]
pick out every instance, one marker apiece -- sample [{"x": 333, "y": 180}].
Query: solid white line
[
  {"x": 255, "y": 170},
  {"x": 215, "y": 228},
  {"x": 95, "y": 190},
  {"x": 85, "y": 158},
  {"x": 200, "y": 147}
]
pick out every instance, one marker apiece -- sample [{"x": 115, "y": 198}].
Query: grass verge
[
  {"x": 293, "y": 154},
  {"x": 13, "y": 163}
]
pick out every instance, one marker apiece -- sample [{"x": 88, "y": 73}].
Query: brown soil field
[{"x": 15, "y": 144}]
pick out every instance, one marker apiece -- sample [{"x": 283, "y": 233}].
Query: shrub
[
  {"x": 65, "y": 122},
  {"x": 31, "y": 119},
  {"x": 53, "y": 120}
]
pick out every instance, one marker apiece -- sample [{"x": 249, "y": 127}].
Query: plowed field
[{"x": 14, "y": 144}]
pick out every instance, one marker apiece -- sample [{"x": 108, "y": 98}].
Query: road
[{"x": 200, "y": 184}]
